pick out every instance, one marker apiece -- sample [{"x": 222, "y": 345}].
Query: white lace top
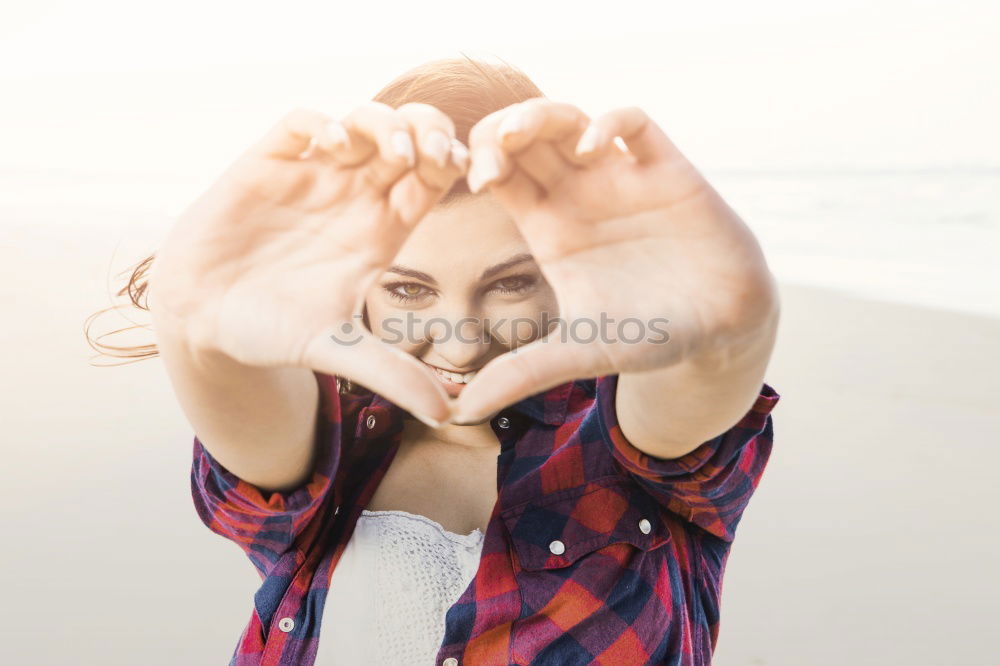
[{"x": 396, "y": 579}]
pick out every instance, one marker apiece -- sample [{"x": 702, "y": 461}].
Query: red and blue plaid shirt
[{"x": 595, "y": 552}]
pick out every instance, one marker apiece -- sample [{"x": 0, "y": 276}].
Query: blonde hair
[{"x": 464, "y": 89}]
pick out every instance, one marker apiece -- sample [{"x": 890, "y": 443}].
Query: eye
[
  {"x": 515, "y": 284},
  {"x": 405, "y": 292}
]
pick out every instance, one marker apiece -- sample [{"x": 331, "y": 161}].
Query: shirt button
[
  {"x": 503, "y": 422},
  {"x": 286, "y": 624},
  {"x": 370, "y": 422},
  {"x": 557, "y": 547},
  {"x": 450, "y": 661},
  {"x": 645, "y": 526}
]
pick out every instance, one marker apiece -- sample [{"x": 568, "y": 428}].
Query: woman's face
[{"x": 463, "y": 289}]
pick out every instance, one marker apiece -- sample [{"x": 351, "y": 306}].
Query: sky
[{"x": 178, "y": 89}]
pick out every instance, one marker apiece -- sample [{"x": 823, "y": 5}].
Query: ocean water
[{"x": 927, "y": 237}]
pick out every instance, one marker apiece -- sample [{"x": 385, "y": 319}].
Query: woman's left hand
[{"x": 633, "y": 242}]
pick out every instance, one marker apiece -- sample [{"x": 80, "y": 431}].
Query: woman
[{"x": 572, "y": 502}]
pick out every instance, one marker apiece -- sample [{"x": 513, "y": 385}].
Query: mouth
[{"x": 452, "y": 378}]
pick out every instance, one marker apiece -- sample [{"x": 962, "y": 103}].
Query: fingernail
[
  {"x": 459, "y": 154},
  {"x": 509, "y": 125},
  {"x": 402, "y": 144},
  {"x": 309, "y": 149},
  {"x": 438, "y": 145},
  {"x": 588, "y": 141},
  {"x": 484, "y": 169},
  {"x": 338, "y": 134}
]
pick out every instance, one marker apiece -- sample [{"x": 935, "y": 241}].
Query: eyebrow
[{"x": 486, "y": 274}]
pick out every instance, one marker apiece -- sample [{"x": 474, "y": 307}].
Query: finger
[
  {"x": 540, "y": 135},
  {"x": 353, "y": 352},
  {"x": 410, "y": 199},
  {"x": 541, "y": 119},
  {"x": 460, "y": 155},
  {"x": 292, "y": 135},
  {"x": 543, "y": 162},
  {"x": 380, "y": 140},
  {"x": 528, "y": 370},
  {"x": 492, "y": 169},
  {"x": 643, "y": 137},
  {"x": 486, "y": 167},
  {"x": 434, "y": 133},
  {"x": 519, "y": 193},
  {"x": 333, "y": 140},
  {"x": 489, "y": 163},
  {"x": 441, "y": 159}
]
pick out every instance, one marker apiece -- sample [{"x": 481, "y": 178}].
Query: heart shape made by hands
[{"x": 648, "y": 263}]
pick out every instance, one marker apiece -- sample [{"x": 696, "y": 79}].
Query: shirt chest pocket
[{"x": 559, "y": 529}]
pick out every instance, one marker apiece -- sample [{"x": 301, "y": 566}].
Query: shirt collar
[{"x": 549, "y": 406}]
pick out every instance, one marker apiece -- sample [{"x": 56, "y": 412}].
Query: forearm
[
  {"x": 258, "y": 422},
  {"x": 670, "y": 411}
]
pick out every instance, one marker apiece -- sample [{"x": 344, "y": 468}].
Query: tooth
[{"x": 456, "y": 377}]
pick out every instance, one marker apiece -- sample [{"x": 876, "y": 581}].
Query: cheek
[
  {"x": 520, "y": 323},
  {"x": 388, "y": 324}
]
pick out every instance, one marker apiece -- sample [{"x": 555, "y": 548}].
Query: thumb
[
  {"x": 525, "y": 371},
  {"x": 386, "y": 370}
]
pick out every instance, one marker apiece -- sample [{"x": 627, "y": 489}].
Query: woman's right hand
[{"x": 277, "y": 255}]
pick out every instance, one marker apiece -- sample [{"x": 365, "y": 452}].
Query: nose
[{"x": 461, "y": 342}]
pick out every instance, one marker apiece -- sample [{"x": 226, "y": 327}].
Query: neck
[{"x": 473, "y": 437}]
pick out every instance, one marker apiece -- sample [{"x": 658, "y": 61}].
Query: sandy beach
[{"x": 869, "y": 540}]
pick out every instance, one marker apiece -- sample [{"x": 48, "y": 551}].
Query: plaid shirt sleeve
[
  {"x": 709, "y": 486},
  {"x": 265, "y": 524}
]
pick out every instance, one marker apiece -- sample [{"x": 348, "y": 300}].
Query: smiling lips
[{"x": 453, "y": 381}]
